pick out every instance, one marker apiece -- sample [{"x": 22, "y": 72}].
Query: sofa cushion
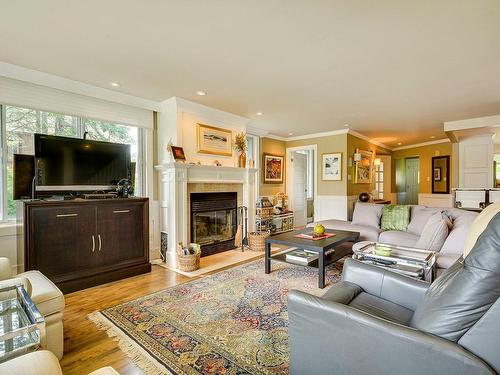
[
  {"x": 462, "y": 221},
  {"x": 395, "y": 217},
  {"x": 381, "y": 308},
  {"x": 366, "y": 233},
  {"x": 464, "y": 292},
  {"x": 435, "y": 232},
  {"x": 45, "y": 295},
  {"x": 446, "y": 260},
  {"x": 367, "y": 214},
  {"x": 419, "y": 216},
  {"x": 395, "y": 237}
]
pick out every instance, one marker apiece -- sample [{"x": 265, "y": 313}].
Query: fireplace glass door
[{"x": 214, "y": 226}]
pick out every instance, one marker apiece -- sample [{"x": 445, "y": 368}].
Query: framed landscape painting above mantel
[
  {"x": 273, "y": 169},
  {"x": 214, "y": 141}
]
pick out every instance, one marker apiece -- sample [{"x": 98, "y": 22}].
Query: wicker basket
[
  {"x": 188, "y": 263},
  {"x": 264, "y": 212},
  {"x": 257, "y": 240}
]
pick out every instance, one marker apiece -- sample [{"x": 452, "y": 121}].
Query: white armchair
[{"x": 48, "y": 299}]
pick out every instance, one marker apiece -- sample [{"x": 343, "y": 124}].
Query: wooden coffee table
[{"x": 319, "y": 246}]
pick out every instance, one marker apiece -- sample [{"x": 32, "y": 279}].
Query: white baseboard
[{"x": 332, "y": 207}]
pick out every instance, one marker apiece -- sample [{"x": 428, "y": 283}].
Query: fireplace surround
[{"x": 213, "y": 221}]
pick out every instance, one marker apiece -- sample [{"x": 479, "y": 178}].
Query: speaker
[{"x": 23, "y": 176}]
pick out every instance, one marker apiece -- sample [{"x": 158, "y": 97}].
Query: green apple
[{"x": 319, "y": 229}]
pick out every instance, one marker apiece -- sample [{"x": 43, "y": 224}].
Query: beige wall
[
  {"x": 273, "y": 147},
  {"x": 352, "y": 144},
  {"x": 425, "y": 154},
  {"x": 329, "y": 144}
]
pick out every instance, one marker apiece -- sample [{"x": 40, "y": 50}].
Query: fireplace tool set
[{"x": 241, "y": 237}]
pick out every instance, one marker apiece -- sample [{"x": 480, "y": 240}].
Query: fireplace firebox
[{"x": 213, "y": 221}]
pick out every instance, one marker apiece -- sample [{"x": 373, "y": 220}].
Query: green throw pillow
[{"x": 395, "y": 217}]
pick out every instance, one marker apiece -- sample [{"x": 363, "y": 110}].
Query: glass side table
[
  {"x": 22, "y": 327},
  {"x": 408, "y": 261}
]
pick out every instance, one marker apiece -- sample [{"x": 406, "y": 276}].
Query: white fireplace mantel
[{"x": 175, "y": 178}]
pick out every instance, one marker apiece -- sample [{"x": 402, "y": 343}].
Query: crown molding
[
  {"x": 316, "y": 135},
  {"x": 76, "y": 87},
  {"x": 364, "y": 137},
  {"x": 277, "y": 137},
  {"x": 444, "y": 140}
]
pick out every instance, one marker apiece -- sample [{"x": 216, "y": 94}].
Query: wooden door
[
  {"x": 62, "y": 239},
  {"x": 412, "y": 180},
  {"x": 299, "y": 166},
  {"x": 121, "y": 232}
]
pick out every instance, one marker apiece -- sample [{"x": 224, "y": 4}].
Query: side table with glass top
[{"x": 22, "y": 327}]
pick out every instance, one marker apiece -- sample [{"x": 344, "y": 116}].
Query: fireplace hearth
[{"x": 213, "y": 221}]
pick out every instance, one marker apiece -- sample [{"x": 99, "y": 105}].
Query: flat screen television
[{"x": 72, "y": 164}]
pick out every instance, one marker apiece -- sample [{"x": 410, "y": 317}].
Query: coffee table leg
[
  {"x": 268, "y": 257},
  {"x": 321, "y": 269}
]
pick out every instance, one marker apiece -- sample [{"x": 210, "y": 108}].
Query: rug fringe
[{"x": 140, "y": 357}]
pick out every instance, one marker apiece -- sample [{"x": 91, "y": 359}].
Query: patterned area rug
[{"x": 232, "y": 322}]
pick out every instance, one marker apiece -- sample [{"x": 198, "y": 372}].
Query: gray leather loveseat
[{"x": 378, "y": 322}]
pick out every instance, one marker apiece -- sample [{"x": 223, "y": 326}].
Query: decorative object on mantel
[
  {"x": 364, "y": 160},
  {"x": 273, "y": 169},
  {"x": 214, "y": 141},
  {"x": 240, "y": 145},
  {"x": 216, "y": 163},
  {"x": 331, "y": 166},
  {"x": 177, "y": 153},
  {"x": 188, "y": 258}
]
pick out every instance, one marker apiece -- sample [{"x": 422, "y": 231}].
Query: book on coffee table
[
  {"x": 314, "y": 237},
  {"x": 302, "y": 257}
]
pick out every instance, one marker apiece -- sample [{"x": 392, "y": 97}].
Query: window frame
[{"x": 80, "y": 130}]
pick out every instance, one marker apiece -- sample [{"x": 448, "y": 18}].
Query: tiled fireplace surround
[{"x": 179, "y": 180}]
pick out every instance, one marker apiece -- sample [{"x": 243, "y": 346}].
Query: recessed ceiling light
[
  {"x": 115, "y": 84},
  {"x": 399, "y": 143},
  {"x": 259, "y": 113},
  {"x": 201, "y": 93},
  {"x": 433, "y": 136},
  {"x": 290, "y": 133},
  {"x": 346, "y": 125}
]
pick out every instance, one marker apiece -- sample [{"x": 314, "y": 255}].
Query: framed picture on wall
[
  {"x": 178, "y": 153},
  {"x": 331, "y": 166},
  {"x": 363, "y": 174},
  {"x": 437, "y": 174},
  {"x": 273, "y": 169},
  {"x": 214, "y": 141}
]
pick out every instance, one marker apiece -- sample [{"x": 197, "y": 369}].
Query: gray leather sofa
[{"x": 378, "y": 322}]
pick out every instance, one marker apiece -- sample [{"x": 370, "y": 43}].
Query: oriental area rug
[{"x": 231, "y": 322}]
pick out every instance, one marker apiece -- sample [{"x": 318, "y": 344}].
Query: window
[
  {"x": 19, "y": 124},
  {"x": 379, "y": 180}
]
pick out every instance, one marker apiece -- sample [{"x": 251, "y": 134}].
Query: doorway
[
  {"x": 407, "y": 172},
  {"x": 300, "y": 183}
]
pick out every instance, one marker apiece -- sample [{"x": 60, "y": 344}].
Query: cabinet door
[
  {"x": 62, "y": 239},
  {"x": 121, "y": 232}
]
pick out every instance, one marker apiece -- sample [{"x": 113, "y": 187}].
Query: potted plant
[{"x": 240, "y": 145}]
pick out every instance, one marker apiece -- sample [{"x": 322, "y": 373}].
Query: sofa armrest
[
  {"x": 388, "y": 285},
  {"x": 327, "y": 337},
  {"x": 17, "y": 281}
]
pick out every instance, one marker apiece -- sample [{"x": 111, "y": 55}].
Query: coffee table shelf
[{"x": 281, "y": 257}]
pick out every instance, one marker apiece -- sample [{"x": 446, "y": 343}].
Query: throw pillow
[
  {"x": 434, "y": 233},
  {"x": 395, "y": 217},
  {"x": 463, "y": 293},
  {"x": 419, "y": 215},
  {"x": 367, "y": 214}
]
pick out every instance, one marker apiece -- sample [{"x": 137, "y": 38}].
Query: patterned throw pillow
[{"x": 395, "y": 217}]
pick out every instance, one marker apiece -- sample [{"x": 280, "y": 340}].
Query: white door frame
[{"x": 289, "y": 173}]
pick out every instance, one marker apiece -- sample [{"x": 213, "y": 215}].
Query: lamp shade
[{"x": 357, "y": 156}]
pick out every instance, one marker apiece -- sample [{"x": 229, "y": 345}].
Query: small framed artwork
[
  {"x": 331, "y": 166},
  {"x": 437, "y": 174},
  {"x": 214, "y": 141},
  {"x": 273, "y": 169},
  {"x": 363, "y": 173},
  {"x": 178, "y": 153}
]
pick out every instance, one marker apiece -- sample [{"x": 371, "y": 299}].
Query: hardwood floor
[{"x": 86, "y": 348}]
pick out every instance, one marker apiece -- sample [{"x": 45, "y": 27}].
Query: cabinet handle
[
  {"x": 100, "y": 242},
  {"x": 93, "y": 243},
  {"x": 120, "y": 211},
  {"x": 66, "y": 215}
]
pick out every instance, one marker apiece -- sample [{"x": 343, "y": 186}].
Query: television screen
[{"x": 76, "y": 164}]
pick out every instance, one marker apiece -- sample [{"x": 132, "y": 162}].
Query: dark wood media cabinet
[{"x": 83, "y": 243}]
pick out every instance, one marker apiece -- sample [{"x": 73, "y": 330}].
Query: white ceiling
[{"x": 394, "y": 70}]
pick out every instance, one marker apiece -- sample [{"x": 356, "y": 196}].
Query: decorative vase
[{"x": 242, "y": 160}]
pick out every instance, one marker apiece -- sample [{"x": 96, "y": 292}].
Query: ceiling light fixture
[
  {"x": 399, "y": 143},
  {"x": 259, "y": 113},
  {"x": 115, "y": 84},
  {"x": 290, "y": 133},
  {"x": 433, "y": 136},
  {"x": 346, "y": 125},
  {"x": 201, "y": 93}
]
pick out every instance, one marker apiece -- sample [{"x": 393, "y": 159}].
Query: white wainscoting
[
  {"x": 436, "y": 200},
  {"x": 331, "y": 207}
]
